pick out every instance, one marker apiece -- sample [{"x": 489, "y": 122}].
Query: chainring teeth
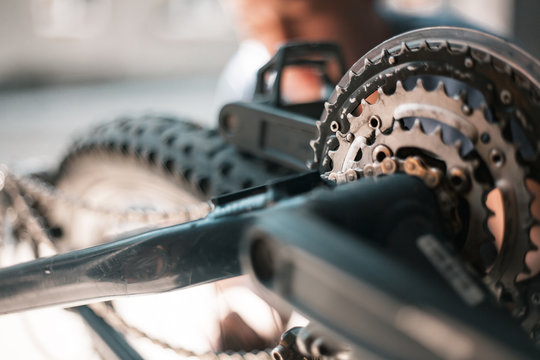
[{"x": 390, "y": 57}]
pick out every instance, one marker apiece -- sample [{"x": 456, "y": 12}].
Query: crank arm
[
  {"x": 187, "y": 254},
  {"x": 156, "y": 261},
  {"x": 377, "y": 279},
  {"x": 205, "y": 250}
]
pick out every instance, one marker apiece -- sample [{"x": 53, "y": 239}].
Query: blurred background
[{"x": 66, "y": 64}]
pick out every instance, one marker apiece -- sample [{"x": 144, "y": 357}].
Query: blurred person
[{"x": 264, "y": 25}]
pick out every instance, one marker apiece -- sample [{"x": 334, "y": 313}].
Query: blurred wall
[{"x": 45, "y": 41}]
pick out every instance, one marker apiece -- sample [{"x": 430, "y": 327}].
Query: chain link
[
  {"x": 47, "y": 194},
  {"x": 36, "y": 231},
  {"x": 16, "y": 187}
]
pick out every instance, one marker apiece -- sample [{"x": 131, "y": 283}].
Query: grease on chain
[
  {"x": 411, "y": 165},
  {"x": 15, "y": 187}
]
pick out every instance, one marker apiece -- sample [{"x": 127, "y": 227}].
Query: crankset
[{"x": 457, "y": 108}]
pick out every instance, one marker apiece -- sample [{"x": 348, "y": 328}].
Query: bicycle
[{"x": 385, "y": 217}]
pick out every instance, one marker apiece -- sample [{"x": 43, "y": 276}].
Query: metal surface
[
  {"x": 419, "y": 103},
  {"x": 23, "y": 189},
  {"x": 496, "y": 86},
  {"x": 440, "y": 51},
  {"x": 367, "y": 262},
  {"x": 287, "y": 349},
  {"x": 156, "y": 261},
  {"x": 348, "y": 243}
]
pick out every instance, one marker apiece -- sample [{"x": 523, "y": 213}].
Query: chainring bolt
[
  {"x": 413, "y": 166},
  {"x": 410, "y": 167},
  {"x": 349, "y": 137},
  {"x": 496, "y": 157},
  {"x": 466, "y": 109},
  {"x": 374, "y": 122},
  {"x": 459, "y": 179},
  {"x": 334, "y": 126},
  {"x": 506, "y": 97},
  {"x": 469, "y": 63},
  {"x": 391, "y": 60}
]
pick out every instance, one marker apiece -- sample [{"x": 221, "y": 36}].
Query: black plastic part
[
  {"x": 110, "y": 343},
  {"x": 295, "y": 54},
  {"x": 354, "y": 261},
  {"x": 271, "y": 127},
  {"x": 269, "y": 132}
]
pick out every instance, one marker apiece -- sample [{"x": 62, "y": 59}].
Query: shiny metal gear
[
  {"x": 430, "y": 145},
  {"x": 501, "y": 135},
  {"x": 506, "y": 76},
  {"x": 381, "y": 122}
]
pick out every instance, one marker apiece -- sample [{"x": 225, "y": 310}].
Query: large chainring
[{"x": 460, "y": 109}]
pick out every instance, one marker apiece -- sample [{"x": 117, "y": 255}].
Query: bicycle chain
[
  {"x": 47, "y": 194},
  {"x": 17, "y": 188}
]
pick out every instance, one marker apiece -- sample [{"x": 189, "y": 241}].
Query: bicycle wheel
[
  {"x": 160, "y": 164},
  {"x": 148, "y": 163}
]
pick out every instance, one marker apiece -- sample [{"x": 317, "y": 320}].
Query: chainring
[{"x": 459, "y": 108}]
